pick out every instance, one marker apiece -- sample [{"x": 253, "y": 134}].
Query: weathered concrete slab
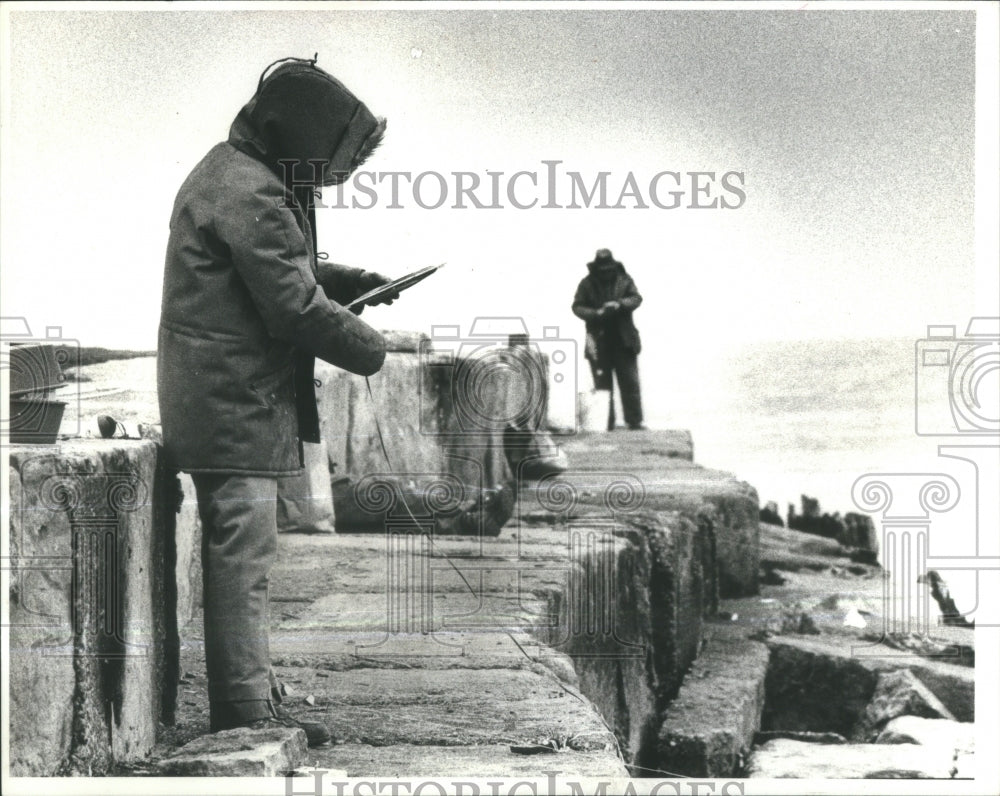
[
  {"x": 238, "y": 753},
  {"x": 784, "y": 759},
  {"x": 673, "y": 483},
  {"x": 430, "y": 423},
  {"x": 474, "y": 762},
  {"x": 709, "y": 728},
  {"x": 824, "y": 684},
  {"x": 93, "y": 507},
  {"x": 647, "y": 450},
  {"x": 455, "y": 707}
]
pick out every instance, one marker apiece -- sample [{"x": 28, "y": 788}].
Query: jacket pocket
[{"x": 269, "y": 390}]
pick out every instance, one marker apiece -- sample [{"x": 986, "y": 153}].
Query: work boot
[
  {"x": 317, "y": 733},
  {"x": 268, "y": 715}
]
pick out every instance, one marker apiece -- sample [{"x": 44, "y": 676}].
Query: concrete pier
[{"x": 93, "y": 633}]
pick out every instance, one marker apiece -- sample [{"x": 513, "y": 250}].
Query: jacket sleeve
[
  {"x": 630, "y": 299},
  {"x": 269, "y": 252},
  {"x": 583, "y": 303},
  {"x": 339, "y": 282}
]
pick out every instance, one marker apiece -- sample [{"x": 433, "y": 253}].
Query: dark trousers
[
  {"x": 239, "y": 545},
  {"x": 624, "y": 366}
]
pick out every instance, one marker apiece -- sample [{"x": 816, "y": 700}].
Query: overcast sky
[{"x": 854, "y": 132}]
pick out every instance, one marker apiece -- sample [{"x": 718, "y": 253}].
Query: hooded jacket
[
  {"x": 616, "y": 329},
  {"x": 246, "y": 305}
]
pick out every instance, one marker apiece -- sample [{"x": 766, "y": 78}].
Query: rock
[
  {"x": 869, "y": 557},
  {"x": 942, "y": 733},
  {"x": 241, "y": 752},
  {"x": 821, "y": 683},
  {"x": 785, "y": 759},
  {"x": 328, "y": 774},
  {"x": 810, "y": 508},
  {"x": 811, "y": 521},
  {"x": 770, "y": 515},
  {"x": 896, "y": 694},
  {"x": 310, "y": 700},
  {"x": 859, "y": 533}
]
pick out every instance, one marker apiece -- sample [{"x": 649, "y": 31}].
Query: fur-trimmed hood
[{"x": 302, "y": 114}]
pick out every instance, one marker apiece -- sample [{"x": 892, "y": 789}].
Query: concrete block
[
  {"x": 659, "y": 460},
  {"x": 633, "y": 623},
  {"x": 241, "y": 752},
  {"x": 86, "y": 529},
  {"x": 898, "y": 693},
  {"x": 708, "y": 730},
  {"x": 426, "y": 428},
  {"x": 42, "y": 679},
  {"x": 822, "y": 684}
]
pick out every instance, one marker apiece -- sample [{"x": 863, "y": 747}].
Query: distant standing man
[
  {"x": 605, "y": 300},
  {"x": 247, "y": 307}
]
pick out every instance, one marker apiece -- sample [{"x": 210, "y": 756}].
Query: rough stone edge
[{"x": 718, "y": 744}]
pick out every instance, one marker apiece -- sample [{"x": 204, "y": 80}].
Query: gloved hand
[
  {"x": 609, "y": 308},
  {"x": 369, "y": 280}
]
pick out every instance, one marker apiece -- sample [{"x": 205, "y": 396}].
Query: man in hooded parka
[
  {"x": 605, "y": 300},
  {"x": 247, "y": 306}
]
